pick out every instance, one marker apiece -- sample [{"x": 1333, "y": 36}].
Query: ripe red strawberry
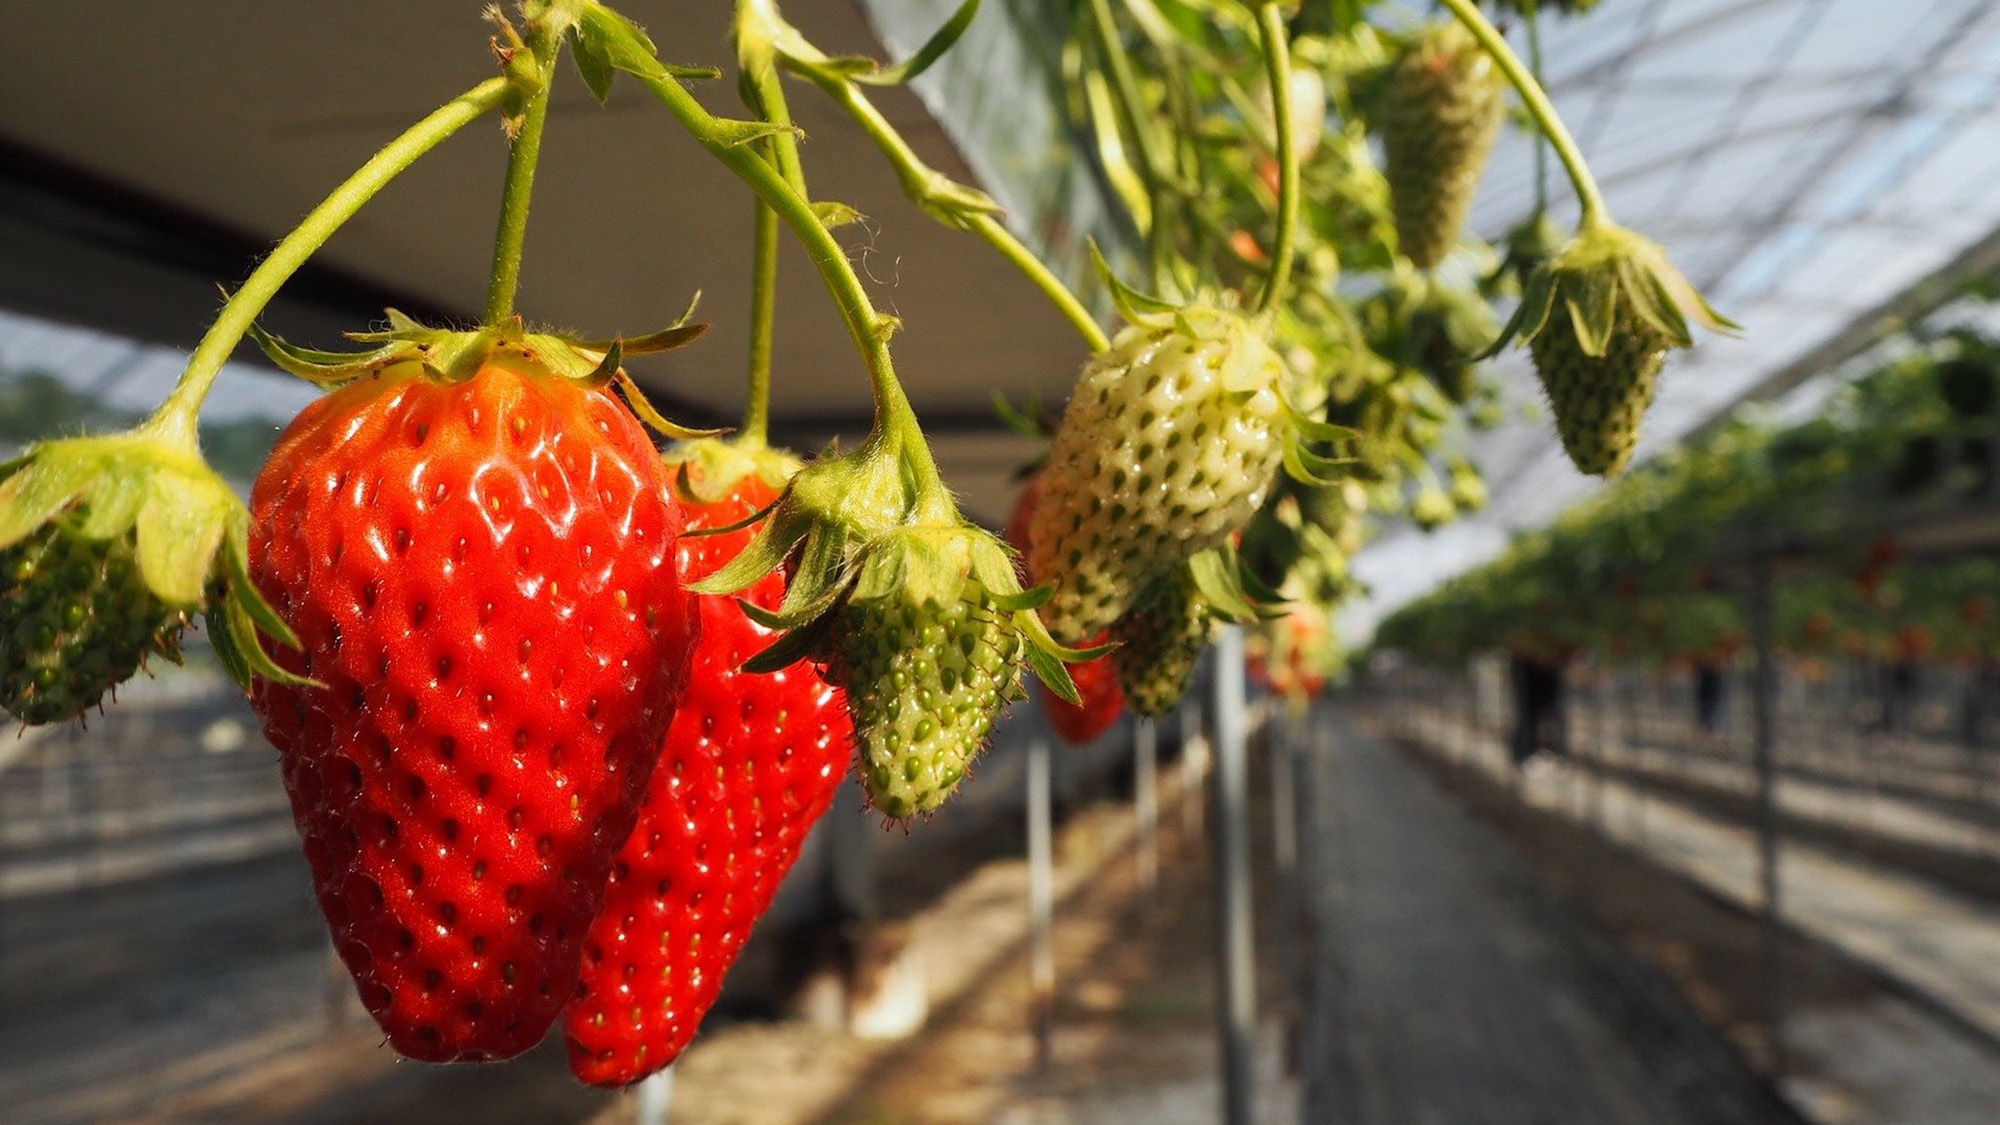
[
  {"x": 1101, "y": 699},
  {"x": 750, "y": 763},
  {"x": 482, "y": 576}
]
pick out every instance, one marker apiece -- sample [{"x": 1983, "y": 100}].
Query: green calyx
[
  {"x": 1603, "y": 270},
  {"x": 144, "y": 500},
  {"x": 452, "y": 356},
  {"x": 1525, "y": 249},
  {"x": 1249, "y": 365},
  {"x": 917, "y": 615},
  {"x": 708, "y": 469}
]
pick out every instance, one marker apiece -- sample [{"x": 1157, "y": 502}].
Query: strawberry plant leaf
[
  {"x": 1054, "y": 674},
  {"x": 650, "y": 414},
  {"x": 593, "y": 62},
  {"x": 797, "y": 645},
  {"x": 734, "y": 131},
  {"x": 833, "y": 214},
  {"x": 324, "y": 368}
]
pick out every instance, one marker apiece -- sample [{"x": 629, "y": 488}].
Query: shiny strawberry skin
[
  {"x": 484, "y": 577},
  {"x": 750, "y": 763},
  {"x": 1103, "y": 700}
]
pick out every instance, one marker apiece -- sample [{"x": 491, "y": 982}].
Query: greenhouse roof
[{"x": 1806, "y": 162}]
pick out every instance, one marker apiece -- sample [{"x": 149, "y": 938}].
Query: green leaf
[
  {"x": 765, "y": 554},
  {"x": 594, "y": 64},
  {"x": 1054, "y": 674},
  {"x": 176, "y": 547},
  {"x": 1135, "y": 305},
  {"x": 223, "y": 642},
  {"x": 797, "y": 645},
  {"x": 1313, "y": 429},
  {"x": 1297, "y": 467},
  {"x": 618, "y": 42},
  {"x": 242, "y": 591},
  {"x": 833, "y": 214},
  {"x": 1034, "y": 423},
  {"x": 324, "y": 368},
  {"x": 1038, "y": 637},
  {"x": 1032, "y": 598},
  {"x": 1592, "y": 299},
  {"x": 649, "y": 414},
  {"x": 652, "y": 343},
  {"x": 933, "y": 49},
  {"x": 31, "y": 498},
  {"x": 750, "y": 520},
  {"x": 734, "y": 131},
  {"x": 822, "y": 575},
  {"x": 1529, "y": 316}
]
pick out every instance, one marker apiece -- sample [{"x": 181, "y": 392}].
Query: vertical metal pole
[
  {"x": 1764, "y": 691},
  {"x": 1281, "y": 738},
  {"x": 1319, "y": 1047},
  {"x": 1284, "y": 806},
  {"x": 1041, "y": 902},
  {"x": 850, "y": 872},
  {"x": 1146, "y": 805},
  {"x": 1236, "y": 1010},
  {"x": 1194, "y": 767},
  {"x": 656, "y": 1096}
]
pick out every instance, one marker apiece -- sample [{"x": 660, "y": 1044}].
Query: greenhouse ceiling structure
[{"x": 1811, "y": 164}]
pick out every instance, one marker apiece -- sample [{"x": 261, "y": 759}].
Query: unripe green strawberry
[
  {"x": 1599, "y": 318},
  {"x": 1159, "y": 640},
  {"x": 1432, "y": 509},
  {"x": 927, "y": 661},
  {"x": 1468, "y": 488},
  {"x": 76, "y": 620},
  {"x": 108, "y": 543},
  {"x": 1442, "y": 110},
  {"x": 1599, "y": 401},
  {"x": 1170, "y": 442}
]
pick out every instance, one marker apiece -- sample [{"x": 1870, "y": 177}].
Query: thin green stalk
[
  {"x": 757, "y": 54},
  {"x": 176, "y": 416},
  {"x": 1125, "y": 97},
  {"x": 1000, "y": 238},
  {"x": 522, "y": 157},
  {"x": 895, "y": 422},
  {"x": 933, "y": 191},
  {"x": 1532, "y": 11},
  {"x": 1539, "y": 107},
  {"x": 1278, "y": 71},
  {"x": 763, "y": 319}
]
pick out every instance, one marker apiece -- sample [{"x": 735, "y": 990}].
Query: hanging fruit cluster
[{"x": 556, "y": 710}]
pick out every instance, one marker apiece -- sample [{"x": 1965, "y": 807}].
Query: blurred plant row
[{"x": 1873, "y": 519}]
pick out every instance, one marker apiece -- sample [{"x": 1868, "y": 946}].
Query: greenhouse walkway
[
  {"x": 1464, "y": 994},
  {"x": 1942, "y": 945}
]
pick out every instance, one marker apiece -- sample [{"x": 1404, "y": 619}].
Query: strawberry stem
[
  {"x": 897, "y": 432},
  {"x": 176, "y": 416},
  {"x": 758, "y": 56},
  {"x": 763, "y": 319},
  {"x": 1278, "y": 71},
  {"x": 1532, "y": 11},
  {"x": 937, "y": 195},
  {"x": 1127, "y": 107},
  {"x": 523, "y": 155},
  {"x": 765, "y": 94},
  {"x": 1539, "y": 107}
]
